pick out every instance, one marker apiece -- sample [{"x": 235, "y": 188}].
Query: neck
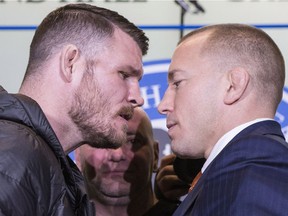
[{"x": 56, "y": 114}]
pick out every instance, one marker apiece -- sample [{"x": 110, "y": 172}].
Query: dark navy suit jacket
[{"x": 249, "y": 177}]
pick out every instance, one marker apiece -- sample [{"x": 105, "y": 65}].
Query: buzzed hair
[
  {"x": 239, "y": 45},
  {"x": 84, "y": 25}
]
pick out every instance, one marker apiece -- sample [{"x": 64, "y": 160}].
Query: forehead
[
  {"x": 131, "y": 53},
  {"x": 192, "y": 44},
  {"x": 187, "y": 55}
]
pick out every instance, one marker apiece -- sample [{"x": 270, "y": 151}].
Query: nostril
[
  {"x": 133, "y": 102},
  {"x": 160, "y": 109},
  {"x": 141, "y": 101},
  {"x": 137, "y": 103}
]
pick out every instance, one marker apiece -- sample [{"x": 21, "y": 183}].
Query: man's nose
[
  {"x": 135, "y": 97},
  {"x": 166, "y": 104}
]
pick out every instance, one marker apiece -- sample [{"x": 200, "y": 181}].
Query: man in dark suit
[{"x": 225, "y": 83}]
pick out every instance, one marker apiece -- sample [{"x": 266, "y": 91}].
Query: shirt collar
[{"x": 225, "y": 139}]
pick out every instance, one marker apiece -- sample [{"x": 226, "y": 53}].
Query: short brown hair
[
  {"x": 247, "y": 46},
  {"x": 83, "y": 25}
]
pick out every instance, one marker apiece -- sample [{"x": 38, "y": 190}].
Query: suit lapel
[{"x": 187, "y": 205}]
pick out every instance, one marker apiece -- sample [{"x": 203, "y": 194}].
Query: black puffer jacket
[{"x": 36, "y": 177}]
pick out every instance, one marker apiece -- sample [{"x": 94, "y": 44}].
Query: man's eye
[
  {"x": 124, "y": 75},
  {"x": 131, "y": 141},
  {"x": 135, "y": 141},
  {"x": 177, "y": 83},
  {"x": 136, "y": 144}
]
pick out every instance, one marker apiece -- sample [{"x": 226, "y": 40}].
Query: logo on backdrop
[{"x": 153, "y": 86}]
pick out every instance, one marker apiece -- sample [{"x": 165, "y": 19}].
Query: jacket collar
[{"x": 24, "y": 110}]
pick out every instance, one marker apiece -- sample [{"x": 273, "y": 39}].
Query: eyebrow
[
  {"x": 133, "y": 71},
  {"x": 171, "y": 74}
]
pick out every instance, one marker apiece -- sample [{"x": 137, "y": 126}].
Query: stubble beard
[{"x": 91, "y": 113}]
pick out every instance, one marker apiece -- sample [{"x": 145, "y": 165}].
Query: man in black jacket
[{"x": 80, "y": 86}]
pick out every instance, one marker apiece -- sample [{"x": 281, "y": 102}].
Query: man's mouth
[
  {"x": 170, "y": 125},
  {"x": 126, "y": 116},
  {"x": 126, "y": 113}
]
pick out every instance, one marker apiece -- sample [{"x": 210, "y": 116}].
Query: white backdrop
[{"x": 14, "y": 44}]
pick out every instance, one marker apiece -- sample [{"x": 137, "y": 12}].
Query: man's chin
[
  {"x": 112, "y": 143},
  {"x": 106, "y": 145}
]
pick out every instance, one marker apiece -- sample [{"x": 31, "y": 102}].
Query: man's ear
[
  {"x": 69, "y": 55},
  {"x": 238, "y": 81},
  {"x": 156, "y": 155}
]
